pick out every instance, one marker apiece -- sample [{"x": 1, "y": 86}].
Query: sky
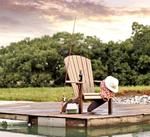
[{"x": 105, "y": 19}]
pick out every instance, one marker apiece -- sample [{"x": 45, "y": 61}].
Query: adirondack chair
[{"x": 80, "y": 75}]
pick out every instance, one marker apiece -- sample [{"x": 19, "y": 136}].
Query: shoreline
[{"x": 138, "y": 99}]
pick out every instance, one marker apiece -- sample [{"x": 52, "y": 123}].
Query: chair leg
[
  {"x": 110, "y": 106},
  {"x": 80, "y": 105},
  {"x": 80, "y": 96}
]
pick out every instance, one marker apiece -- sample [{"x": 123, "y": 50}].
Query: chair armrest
[{"x": 77, "y": 82}]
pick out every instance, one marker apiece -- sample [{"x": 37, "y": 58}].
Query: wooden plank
[
  {"x": 91, "y": 94},
  {"x": 72, "y": 66},
  {"x": 80, "y": 68},
  {"x": 86, "y": 75},
  {"x": 91, "y": 97},
  {"x": 89, "y": 69},
  {"x": 71, "y": 73}
]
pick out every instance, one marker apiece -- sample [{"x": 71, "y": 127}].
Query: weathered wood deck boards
[{"x": 48, "y": 114}]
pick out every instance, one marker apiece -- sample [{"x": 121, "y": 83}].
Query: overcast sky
[{"x": 106, "y": 19}]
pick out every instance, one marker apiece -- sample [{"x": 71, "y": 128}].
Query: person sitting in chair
[{"x": 109, "y": 86}]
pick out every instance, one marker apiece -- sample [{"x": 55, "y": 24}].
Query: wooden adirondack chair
[{"x": 80, "y": 75}]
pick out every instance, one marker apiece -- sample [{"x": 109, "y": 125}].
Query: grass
[
  {"x": 35, "y": 94},
  {"x": 135, "y": 90},
  {"x": 56, "y": 94}
]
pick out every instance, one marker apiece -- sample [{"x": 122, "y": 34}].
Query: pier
[{"x": 48, "y": 114}]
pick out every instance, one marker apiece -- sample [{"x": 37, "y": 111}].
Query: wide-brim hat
[{"x": 111, "y": 83}]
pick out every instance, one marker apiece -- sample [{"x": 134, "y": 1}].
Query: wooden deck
[{"x": 48, "y": 114}]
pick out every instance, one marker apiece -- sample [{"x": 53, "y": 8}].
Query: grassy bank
[
  {"x": 56, "y": 94},
  {"x": 35, "y": 94},
  {"x": 134, "y": 90}
]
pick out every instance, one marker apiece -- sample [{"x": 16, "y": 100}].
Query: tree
[{"x": 39, "y": 61}]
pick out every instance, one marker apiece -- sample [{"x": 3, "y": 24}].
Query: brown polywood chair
[{"x": 80, "y": 75}]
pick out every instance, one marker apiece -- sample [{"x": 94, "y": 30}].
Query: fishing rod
[
  {"x": 70, "y": 49},
  {"x": 69, "y": 53},
  {"x": 72, "y": 44}
]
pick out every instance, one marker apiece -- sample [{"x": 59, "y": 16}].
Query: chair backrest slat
[
  {"x": 90, "y": 75},
  {"x": 74, "y": 64}
]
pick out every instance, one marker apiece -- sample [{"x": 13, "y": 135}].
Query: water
[{"x": 142, "y": 130}]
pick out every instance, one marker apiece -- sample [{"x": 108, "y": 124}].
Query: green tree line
[{"x": 39, "y": 62}]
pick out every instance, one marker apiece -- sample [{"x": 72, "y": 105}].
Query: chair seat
[{"x": 91, "y": 96}]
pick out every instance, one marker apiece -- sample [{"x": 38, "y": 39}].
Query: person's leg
[{"x": 95, "y": 104}]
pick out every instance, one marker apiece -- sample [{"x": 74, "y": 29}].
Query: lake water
[{"x": 142, "y": 130}]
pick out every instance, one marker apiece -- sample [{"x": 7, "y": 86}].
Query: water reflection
[{"x": 122, "y": 131}]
